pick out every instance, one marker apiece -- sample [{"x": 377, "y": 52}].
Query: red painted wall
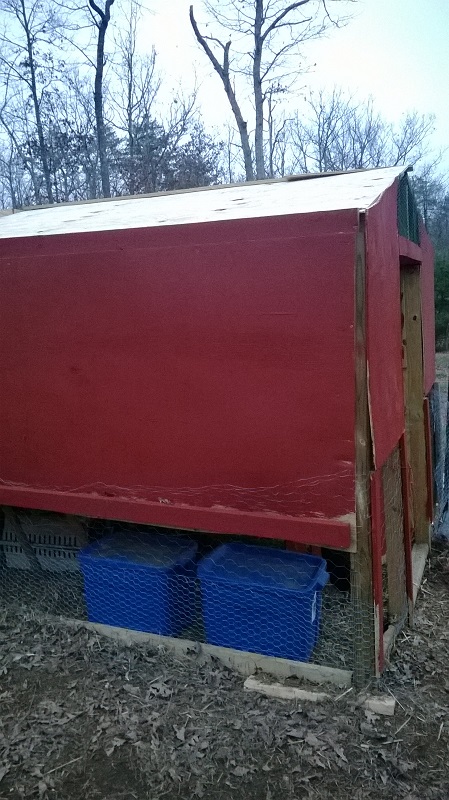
[
  {"x": 206, "y": 366},
  {"x": 386, "y": 392}
]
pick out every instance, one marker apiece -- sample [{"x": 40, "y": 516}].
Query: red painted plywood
[
  {"x": 385, "y": 382},
  {"x": 207, "y": 367}
]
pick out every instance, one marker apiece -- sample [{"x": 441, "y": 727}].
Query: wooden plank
[
  {"x": 336, "y": 533},
  {"x": 281, "y": 692},
  {"x": 243, "y": 662},
  {"x": 414, "y": 396},
  {"x": 377, "y": 532},
  {"x": 380, "y": 704},
  {"x": 407, "y": 510},
  {"x": 419, "y": 560},
  {"x": 394, "y": 537},
  {"x": 365, "y": 655}
]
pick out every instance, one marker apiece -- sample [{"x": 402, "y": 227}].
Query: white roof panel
[{"x": 358, "y": 190}]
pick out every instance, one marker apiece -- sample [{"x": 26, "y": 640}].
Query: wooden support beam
[
  {"x": 365, "y": 645},
  {"x": 414, "y": 397}
]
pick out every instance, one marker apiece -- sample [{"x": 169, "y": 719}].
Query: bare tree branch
[
  {"x": 270, "y": 35},
  {"x": 223, "y": 72},
  {"x": 276, "y": 22}
]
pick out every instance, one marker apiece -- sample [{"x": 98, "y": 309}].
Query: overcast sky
[{"x": 395, "y": 50}]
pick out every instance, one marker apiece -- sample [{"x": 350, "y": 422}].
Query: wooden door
[{"x": 413, "y": 371}]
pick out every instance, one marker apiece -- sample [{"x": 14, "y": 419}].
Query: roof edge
[{"x": 262, "y": 181}]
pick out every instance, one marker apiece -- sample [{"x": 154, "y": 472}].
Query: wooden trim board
[
  {"x": 244, "y": 663},
  {"x": 281, "y": 692},
  {"x": 366, "y": 647}
]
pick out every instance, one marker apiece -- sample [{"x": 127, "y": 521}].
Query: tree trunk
[
  {"x": 130, "y": 125},
  {"x": 37, "y": 111},
  {"x": 257, "y": 87},
  {"x": 104, "y": 18},
  {"x": 223, "y": 71}
]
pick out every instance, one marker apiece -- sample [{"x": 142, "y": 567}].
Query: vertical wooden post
[
  {"x": 408, "y": 526},
  {"x": 395, "y": 539},
  {"x": 377, "y": 532},
  {"x": 414, "y": 398},
  {"x": 361, "y": 561}
]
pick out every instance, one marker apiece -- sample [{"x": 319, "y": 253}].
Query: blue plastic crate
[
  {"x": 140, "y": 580},
  {"x": 262, "y": 600}
]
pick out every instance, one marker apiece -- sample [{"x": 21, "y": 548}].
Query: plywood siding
[
  {"x": 384, "y": 327},
  {"x": 207, "y": 366}
]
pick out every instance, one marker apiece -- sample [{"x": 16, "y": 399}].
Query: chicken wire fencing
[
  {"x": 249, "y": 594},
  {"x": 439, "y": 425}
]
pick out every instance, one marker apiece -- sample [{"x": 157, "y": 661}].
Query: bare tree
[
  {"x": 101, "y": 18},
  {"x": 336, "y": 132},
  {"x": 269, "y": 33},
  {"x": 71, "y": 135},
  {"x": 223, "y": 70},
  {"x": 137, "y": 85},
  {"x": 26, "y": 59}
]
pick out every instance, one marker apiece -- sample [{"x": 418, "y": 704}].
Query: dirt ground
[{"x": 85, "y": 718}]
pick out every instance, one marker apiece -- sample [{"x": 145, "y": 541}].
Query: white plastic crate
[{"x": 55, "y": 540}]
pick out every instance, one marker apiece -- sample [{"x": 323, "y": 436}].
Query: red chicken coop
[{"x": 244, "y": 361}]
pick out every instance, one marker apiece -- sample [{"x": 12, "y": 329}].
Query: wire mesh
[
  {"x": 438, "y": 447},
  {"x": 239, "y": 592},
  {"x": 256, "y": 595},
  {"x": 408, "y": 215},
  {"x": 446, "y": 459},
  {"x": 443, "y": 500}
]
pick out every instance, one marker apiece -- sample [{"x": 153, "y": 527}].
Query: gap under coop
[
  {"x": 251, "y": 595},
  {"x": 244, "y": 594}
]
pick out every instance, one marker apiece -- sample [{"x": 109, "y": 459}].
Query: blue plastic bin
[
  {"x": 262, "y": 600},
  {"x": 139, "y": 580}
]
